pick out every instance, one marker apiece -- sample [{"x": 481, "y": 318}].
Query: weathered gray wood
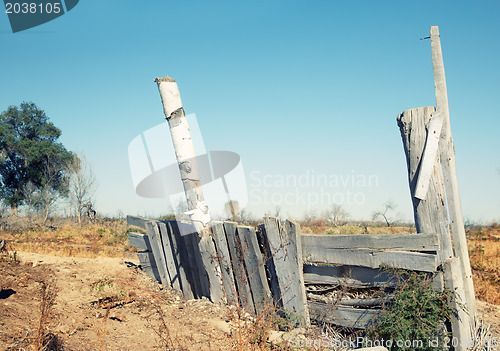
[
  {"x": 420, "y": 242},
  {"x": 157, "y": 249},
  {"x": 237, "y": 259},
  {"x": 359, "y": 303},
  {"x": 283, "y": 251},
  {"x": 430, "y": 214},
  {"x": 196, "y": 263},
  {"x": 181, "y": 259},
  {"x": 254, "y": 267},
  {"x": 225, "y": 262},
  {"x": 137, "y": 221},
  {"x": 148, "y": 264},
  {"x": 169, "y": 257},
  {"x": 344, "y": 316},
  {"x": 349, "y": 276},
  {"x": 192, "y": 267},
  {"x": 139, "y": 240},
  {"x": 269, "y": 264},
  {"x": 374, "y": 258},
  {"x": 448, "y": 163},
  {"x": 295, "y": 235},
  {"x": 429, "y": 155},
  {"x": 461, "y": 321}
]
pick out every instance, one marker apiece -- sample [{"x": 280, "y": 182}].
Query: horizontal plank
[
  {"x": 374, "y": 258},
  {"x": 341, "y": 315},
  {"x": 374, "y": 302},
  {"x": 356, "y": 277},
  {"x": 137, "y": 221},
  {"x": 351, "y": 276},
  {"x": 414, "y": 242},
  {"x": 139, "y": 240}
]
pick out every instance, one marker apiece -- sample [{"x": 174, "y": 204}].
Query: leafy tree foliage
[{"x": 30, "y": 155}]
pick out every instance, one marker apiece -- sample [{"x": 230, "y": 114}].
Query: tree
[
  {"x": 82, "y": 185},
  {"x": 389, "y": 220},
  {"x": 336, "y": 215},
  {"x": 30, "y": 152}
]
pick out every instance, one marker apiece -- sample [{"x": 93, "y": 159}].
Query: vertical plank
[
  {"x": 254, "y": 267},
  {"x": 295, "y": 235},
  {"x": 244, "y": 293},
  {"x": 284, "y": 256},
  {"x": 448, "y": 163},
  {"x": 169, "y": 257},
  {"x": 453, "y": 281},
  {"x": 181, "y": 259},
  {"x": 148, "y": 264},
  {"x": 269, "y": 264},
  {"x": 225, "y": 262},
  {"x": 196, "y": 263},
  {"x": 157, "y": 249}
]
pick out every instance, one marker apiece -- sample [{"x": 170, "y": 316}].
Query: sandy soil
[{"x": 109, "y": 304}]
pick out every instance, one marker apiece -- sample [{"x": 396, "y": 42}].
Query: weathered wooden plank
[
  {"x": 375, "y": 258},
  {"x": 169, "y": 257},
  {"x": 359, "y": 303},
  {"x": 181, "y": 259},
  {"x": 429, "y": 155},
  {"x": 295, "y": 246},
  {"x": 137, "y": 221},
  {"x": 237, "y": 259},
  {"x": 461, "y": 321},
  {"x": 196, "y": 264},
  {"x": 269, "y": 265},
  {"x": 254, "y": 267},
  {"x": 350, "y": 276},
  {"x": 420, "y": 242},
  {"x": 157, "y": 249},
  {"x": 431, "y": 214},
  {"x": 139, "y": 240},
  {"x": 225, "y": 263},
  {"x": 449, "y": 167},
  {"x": 283, "y": 251},
  {"x": 148, "y": 264},
  {"x": 344, "y": 316}
]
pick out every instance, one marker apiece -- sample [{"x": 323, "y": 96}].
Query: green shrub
[{"x": 415, "y": 319}]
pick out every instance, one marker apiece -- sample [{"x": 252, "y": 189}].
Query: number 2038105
[{"x": 32, "y": 7}]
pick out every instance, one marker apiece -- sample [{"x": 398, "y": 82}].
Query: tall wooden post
[
  {"x": 447, "y": 158},
  {"x": 190, "y": 176}
]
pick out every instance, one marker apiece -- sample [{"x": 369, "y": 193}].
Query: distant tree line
[{"x": 36, "y": 170}]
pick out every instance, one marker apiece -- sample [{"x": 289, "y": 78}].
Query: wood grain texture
[
  {"x": 341, "y": 315},
  {"x": 225, "y": 263}
]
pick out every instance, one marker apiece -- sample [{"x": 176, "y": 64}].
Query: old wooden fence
[{"x": 276, "y": 263}]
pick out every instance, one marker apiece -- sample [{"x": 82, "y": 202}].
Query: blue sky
[{"x": 294, "y": 87}]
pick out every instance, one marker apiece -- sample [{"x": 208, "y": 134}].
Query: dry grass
[
  {"x": 107, "y": 239},
  {"x": 484, "y": 252}
]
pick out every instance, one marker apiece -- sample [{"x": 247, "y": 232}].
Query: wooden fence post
[
  {"x": 447, "y": 158},
  {"x": 430, "y": 214},
  {"x": 186, "y": 158}
]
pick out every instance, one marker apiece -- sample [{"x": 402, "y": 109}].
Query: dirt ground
[
  {"x": 102, "y": 304},
  {"x": 109, "y": 304}
]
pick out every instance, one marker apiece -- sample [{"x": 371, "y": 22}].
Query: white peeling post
[
  {"x": 190, "y": 176},
  {"x": 447, "y": 158}
]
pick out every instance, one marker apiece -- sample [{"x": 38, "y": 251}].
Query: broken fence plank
[
  {"x": 169, "y": 257},
  {"x": 374, "y": 258},
  {"x": 283, "y": 252},
  {"x": 137, "y": 221},
  {"x": 139, "y": 240},
  {"x": 157, "y": 249},
  {"x": 181, "y": 259},
  {"x": 415, "y": 242},
  {"x": 254, "y": 267},
  {"x": 225, "y": 263},
  {"x": 241, "y": 278},
  {"x": 343, "y": 316}
]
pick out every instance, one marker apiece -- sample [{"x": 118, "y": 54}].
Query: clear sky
[{"x": 296, "y": 88}]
